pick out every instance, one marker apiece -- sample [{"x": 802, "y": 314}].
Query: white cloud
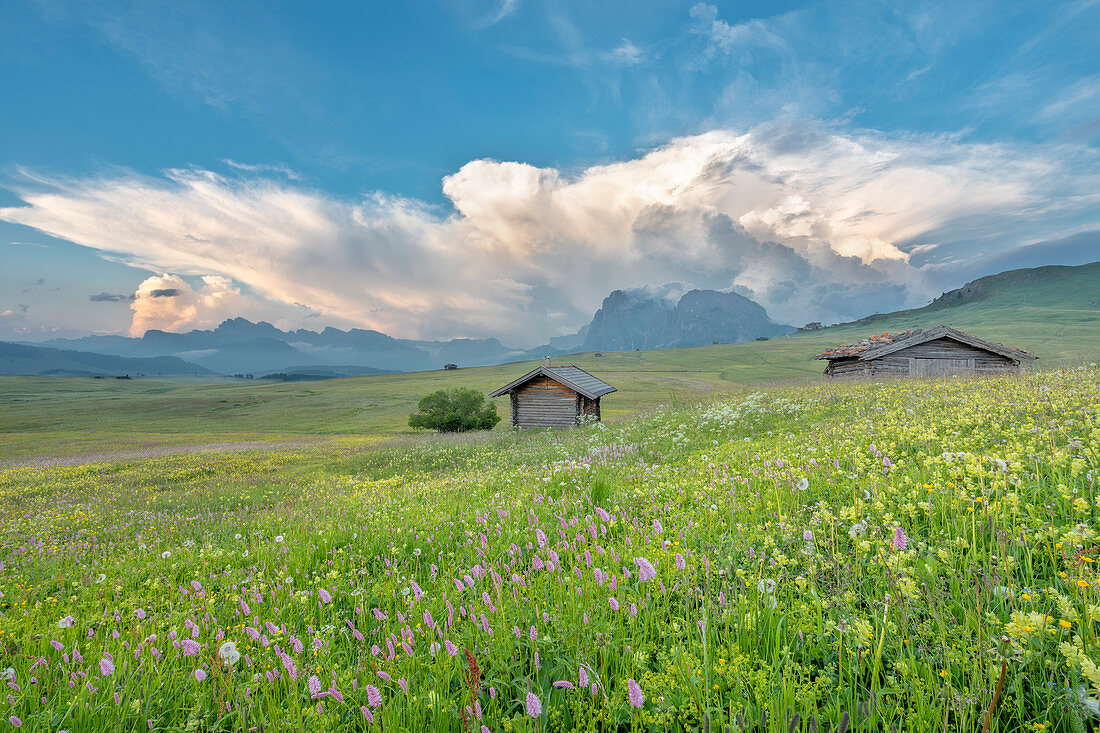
[
  {"x": 818, "y": 224},
  {"x": 503, "y": 9},
  {"x": 169, "y": 303}
]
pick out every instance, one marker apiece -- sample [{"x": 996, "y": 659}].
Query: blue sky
[{"x": 435, "y": 170}]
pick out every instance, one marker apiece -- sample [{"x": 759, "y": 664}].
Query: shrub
[{"x": 455, "y": 411}]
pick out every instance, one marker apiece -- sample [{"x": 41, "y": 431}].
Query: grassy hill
[
  {"x": 1054, "y": 312},
  {"x": 26, "y": 359}
]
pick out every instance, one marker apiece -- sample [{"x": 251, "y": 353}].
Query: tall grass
[{"x": 912, "y": 554}]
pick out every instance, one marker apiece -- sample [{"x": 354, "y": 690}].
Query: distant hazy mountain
[
  {"x": 22, "y": 359},
  {"x": 627, "y": 320},
  {"x": 239, "y": 346},
  {"x": 639, "y": 319}
]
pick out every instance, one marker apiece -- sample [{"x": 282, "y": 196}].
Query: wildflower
[
  {"x": 279, "y": 538},
  {"x": 803, "y": 484},
  {"x": 614, "y": 603},
  {"x": 314, "y": 685},
  {"x": 190, "y": 647},
  {"x": 165, "y": 555},
  {"x": 564, "y": 684},
  {"x": 900, "y": 541},
  {"x": 808, "y": 536},
  {"x": 374, "y": 697},
  {"x": 16, "y": 722},
  {"x": 582, "y": 677},
  {"x": 657, "y": 527},
  {"x": 325, "y": 596},
  {"x": 680, "y": 564},
  {"x": 534, "y": 707},
  {"x": 229, "y": 654},
  {"x": 200, "y": 675},
  {"x": 66, "y": 622},
  {"x": 106, "y": 667},
  {"x": 140, "y": 613},
  {"x": 7, "y": 674},
  {"x": 637, "y": 699},
  {"x": 646, "y": 571},
  {"x": 859, "y": 529}
]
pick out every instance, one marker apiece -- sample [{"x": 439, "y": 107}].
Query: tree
[{"x": 455, "y": 411}]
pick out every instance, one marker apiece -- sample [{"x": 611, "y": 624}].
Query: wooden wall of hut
[{"x": 542, "y": 403}]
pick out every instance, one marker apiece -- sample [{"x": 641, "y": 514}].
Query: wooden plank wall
[
  {"x": 544, "y": 403},
  {"x": 897, "y": 363},
  {"x": 985, "y": 362}
]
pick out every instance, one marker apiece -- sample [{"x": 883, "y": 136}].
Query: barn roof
[
  {"x": 572, "y": 377},
  {"x": 874, "y": 347}
]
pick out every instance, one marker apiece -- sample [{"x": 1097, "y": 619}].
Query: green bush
[{"x": 455, "y": 411}]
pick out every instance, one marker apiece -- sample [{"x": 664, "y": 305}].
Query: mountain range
[{"x": 627, "y": 320}]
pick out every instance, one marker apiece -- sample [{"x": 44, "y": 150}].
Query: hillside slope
[{"x": 22, "y": 359}]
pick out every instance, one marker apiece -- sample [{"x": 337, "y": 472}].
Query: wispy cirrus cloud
[{"x": 816, "y": 224}]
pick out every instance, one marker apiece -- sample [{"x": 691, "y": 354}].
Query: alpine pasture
[{"x": 906, "y": 555}]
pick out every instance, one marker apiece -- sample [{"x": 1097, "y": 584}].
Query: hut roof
[
  {"x": 572, "y": 377},
  {"x": 873, "y": 347}
]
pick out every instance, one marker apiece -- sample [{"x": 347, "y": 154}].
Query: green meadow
[
  {"x": 1053, "y": 312},
  {"x": 741, "y": 546}
]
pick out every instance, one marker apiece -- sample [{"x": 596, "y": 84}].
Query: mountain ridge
[{"x": 627, "y": 320}]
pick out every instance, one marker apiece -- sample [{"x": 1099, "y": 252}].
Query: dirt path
[{"x": 151, "y": 452}]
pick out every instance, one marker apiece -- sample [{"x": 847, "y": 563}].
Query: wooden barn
[
  {"x": 554, "y": 397},
  {"x": 923, "y": 353}
]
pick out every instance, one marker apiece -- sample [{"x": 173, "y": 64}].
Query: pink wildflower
[
  {"x": 637, "y": 699},
  {"x": 374, "y": 697},
  {"x": 566, "y": 684},
  {"x": 534, "y": 707},
  {"x": 646, "y": 571},
  {"x": 314, "y": 684},
  {"x": 200, "y": 675},
  {"x": 900, "y": 540},
  {"x": 325, "y": 596},
  {"x": 106, "y": 667}
]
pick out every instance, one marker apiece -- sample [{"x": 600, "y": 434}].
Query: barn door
[{"x": 940, "y": 367}]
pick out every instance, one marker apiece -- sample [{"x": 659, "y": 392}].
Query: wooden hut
[
  {"x": 923, "y": 353},
  {"x": 554, "y": 397}
]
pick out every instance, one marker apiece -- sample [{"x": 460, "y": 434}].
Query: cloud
[
  {"x": 170, "y": 303},
  {"x": 264, "y": 168},
  {"x": 503, "y": 9},
  {"x": 817, "y": 224},
  {"x": 625, "y": 54},
  {"x": 110, "y": 298}
]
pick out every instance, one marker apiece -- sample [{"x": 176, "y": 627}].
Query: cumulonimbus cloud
[{"x": 815, "y": 224}]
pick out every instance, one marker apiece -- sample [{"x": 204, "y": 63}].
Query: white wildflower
[{"x": 228, "y": 652}]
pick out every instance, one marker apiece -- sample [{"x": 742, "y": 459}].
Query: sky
[{"x": 488, "y": 168}]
